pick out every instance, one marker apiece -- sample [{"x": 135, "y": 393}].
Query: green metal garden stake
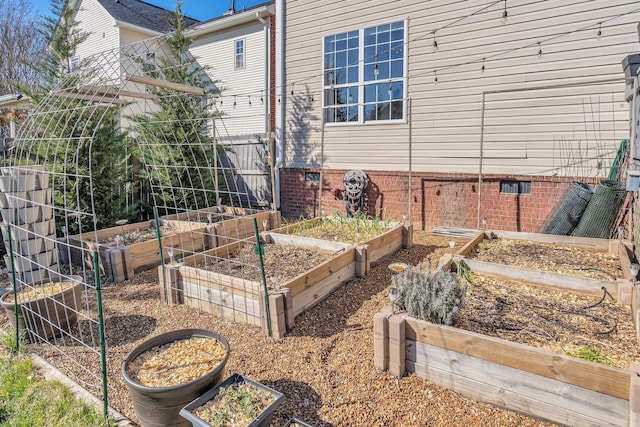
[
  {"x": 260, "y": 253},
  {"x": 159, "y": 237},
  {"x": 103, "y": 347},
  {"x": 15, "y": 289}
]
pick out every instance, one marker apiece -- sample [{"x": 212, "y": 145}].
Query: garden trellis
[{"x": 121, "y": 168}]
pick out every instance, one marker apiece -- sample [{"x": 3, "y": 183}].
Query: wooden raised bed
[
  {"x": 528, "y": 380},
  {"x": 377, "y": 248},
  {"x": 242, "y": 300},
  {"x": 224, "y": 224},
  {"x": 120, "y": 263},
  {"x": 620, "y": 289}
]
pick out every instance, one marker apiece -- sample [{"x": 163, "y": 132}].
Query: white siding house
[{"x": 451, "y": 92}]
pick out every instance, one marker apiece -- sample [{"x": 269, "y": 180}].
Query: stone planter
[
  {"x": 39, "y": 197},
  {"x": 47, "y": 314},
  {"x": 160, "y": 406},
  {"x": 262, "y": 420}
]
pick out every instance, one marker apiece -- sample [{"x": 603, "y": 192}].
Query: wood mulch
[{"x": 324, "y": 366}]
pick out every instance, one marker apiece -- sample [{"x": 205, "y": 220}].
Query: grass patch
[
  {"x": 341, "y": 228},
  {"x": 26, "y": 399},
  {"x": 592, "y": 355}
]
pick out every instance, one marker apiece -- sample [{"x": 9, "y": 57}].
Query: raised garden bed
[
  {"x": 562, "y": 262},
  {"x": 131, "y": 248},
  {"x": 518, "y": 341},
  {"x": 380, "y": 238},
  {"x": 228, "y": 281}
]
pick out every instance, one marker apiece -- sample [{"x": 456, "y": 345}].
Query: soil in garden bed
[
  {"x": 555, "y": 258},
  {"x": 562, "y": 322},
  {"x": 282, "y": 262},
  {"x": 131, "y": 237},
  {"x": 324, "y": 366},
  {"x": 341, "y": 229}
]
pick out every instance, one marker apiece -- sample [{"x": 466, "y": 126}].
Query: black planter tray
[{"x": 263, "y": 420}]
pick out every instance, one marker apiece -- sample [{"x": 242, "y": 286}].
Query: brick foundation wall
[{"x": 437, "y": 199}]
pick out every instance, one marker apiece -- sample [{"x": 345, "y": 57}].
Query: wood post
[
  {"x": 625, "y": 290},
  {"x": 278, "y": 316},
  {"x": 288, "y": 308},
  {"x": 381, "y": 339},
  {"x": 397, "y": 345},
  {"x": 363, "y": 262},
  {"x": 407, "y": 236},
  {"x": 635, "y": 310},
  {"x": 173, "y": 294},
  {"x": 275, "y": 220},
  {"x": 634, "y": 395}
]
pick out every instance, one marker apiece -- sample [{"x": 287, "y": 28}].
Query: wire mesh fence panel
[{"x": 123, "y": 167}]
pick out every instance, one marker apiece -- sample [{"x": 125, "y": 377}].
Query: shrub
[{"x": 436, "y": 297}]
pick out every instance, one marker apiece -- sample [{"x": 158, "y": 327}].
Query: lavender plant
[{"x": 436, "y": 297}]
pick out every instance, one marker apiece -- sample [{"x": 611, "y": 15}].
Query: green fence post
[
  {"x": 103, "y": 347},
  {"x": 260, "y": 252}
]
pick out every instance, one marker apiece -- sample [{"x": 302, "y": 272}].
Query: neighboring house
[
  {"x": 237, "y": 50},
  {"x": 12, "y": 107},
  {"x": 115, "y": 23},
  {"x": 456, "y": 111}
]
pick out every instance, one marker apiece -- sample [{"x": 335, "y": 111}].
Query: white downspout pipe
[{"x": 280, "y": 90}]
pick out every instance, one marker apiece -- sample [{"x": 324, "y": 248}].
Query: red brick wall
[{"x": 437, "y": 199}]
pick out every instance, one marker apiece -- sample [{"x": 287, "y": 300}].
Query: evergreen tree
[{"x": 173, "y": 142}]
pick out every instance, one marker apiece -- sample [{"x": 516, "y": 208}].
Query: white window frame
[
  {"x": 331, "y": 91},
  {"x": 74, "y": 63},
  {"x": 242, "y": 55}
]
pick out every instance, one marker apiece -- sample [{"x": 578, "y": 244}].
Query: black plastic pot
[
  {"x": 48, "y": 316},
  {"x": 263, "y": 420},
  {"x": 160, "y": 406}
]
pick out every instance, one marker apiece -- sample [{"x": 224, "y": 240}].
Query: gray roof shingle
[{"x": 141, "y": 14}]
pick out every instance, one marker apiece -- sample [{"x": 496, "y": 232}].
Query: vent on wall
[{"x": 515, "y": 187}]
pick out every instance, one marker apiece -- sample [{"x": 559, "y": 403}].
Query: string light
[
  {"x": 435, "y": 76},
  {"x": 539, "y": 50},
  {"x": 435, "y": 42},
  {"x": 249, "y": 99},
  {"x": 292, "y": 88},
  {"x": 504, "y": 13},
  {"x": 599, "y": 30},
  {"x": 261, "y": 96},
  {"x": 220, "y": 99},
  {"x": 376, "y": 70},
  {"x": 390, "y": 90},
  {"x": 234, "y": 100},
  {"x": 482, "y": 69}
]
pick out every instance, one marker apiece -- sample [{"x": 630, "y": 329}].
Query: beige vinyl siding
[
  {"x": 217, "y": 51},
  {"x": 93, "y": 19},
  {"x": 532, "y": 131}
]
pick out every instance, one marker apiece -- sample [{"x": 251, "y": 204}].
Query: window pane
[
  {"x": 396, "y": 90},
  {"x": 341, "y": 76},
  {"x": 353, "y": 40},
  {"x": 368, "y": 72},
  {"x": 383, "y": 71},
  {"x": 329, "y": 60},
  {"x": 352, "y": 57},
  {"x": 383, "y": 36},
  {"x": 369, "y": 112},
  {"x": 341, "y": 44},
  {"x": 384, "y": 111},
  {"x": 397, "y": 50},
  {"x": 397, "y": 69},
  {"x": 353, "y": 95},
  {"x": 397, "y": 107},
  {"x": 343, "y": 95},
  {"x": 353, "y": 114},
  {"x": 341, "y": 114},
  {"x": 397, "y": 34},
  {"x": 369, "y": 54},
  {"x": 329, "y": 43},
  {"x": 352, "y": 74},
  {"x": 330, "y": 115},
  {"x": 369, "y": 93},
  {"x": 329, "y": 97},
  {"x": 383, "y": 52}
]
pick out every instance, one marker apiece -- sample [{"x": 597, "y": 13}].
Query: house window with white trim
[
  {"x": 364, "y": 74},
  {"x": 75, "y": 63},
  {"x": 239, "y": 54}
]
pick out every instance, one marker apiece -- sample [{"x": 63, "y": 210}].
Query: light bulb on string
[
  {"x": 376, "y": 70},
  {"x": 435, "y": 42},
  {"x": 262, "y": 96},
  {"x": 505, "y": 14},
  {"x": 539, "y": 50},
  {"x": 435, "y": 77},
  {"x": 390, "y": 90},
  {"x": 483, "y": 68},
  {"x": 599, "y": 30},
  {"x": 234, "y": 101},
  {"x": 292, "y": 88},
  {"x": 220, "y": 99},
  {"x": 249, "y": 99}
]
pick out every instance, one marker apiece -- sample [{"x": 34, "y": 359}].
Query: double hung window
[
  {"x": 239, "y": 54},
  {"x": 365, "y": 75}
]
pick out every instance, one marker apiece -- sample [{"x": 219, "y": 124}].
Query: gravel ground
[{"x": 324, "y": 366}]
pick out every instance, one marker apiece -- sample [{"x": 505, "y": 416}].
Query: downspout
[
  {"x": 267, "y": 75},
  {"x": 280, "y": 119}
]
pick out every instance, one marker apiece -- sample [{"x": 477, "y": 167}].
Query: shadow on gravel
[
  {"x": 330, "y": 316},
  {"x": 301, "y": 401}
]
